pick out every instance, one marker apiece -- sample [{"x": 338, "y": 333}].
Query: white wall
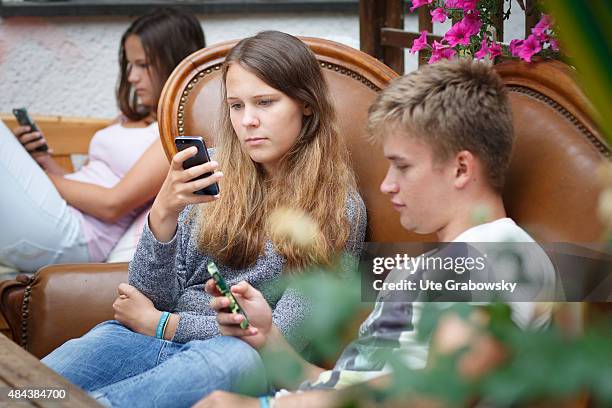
[{"x": 68, "y": 65}]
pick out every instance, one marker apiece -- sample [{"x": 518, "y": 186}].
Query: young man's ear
[{"x": 465, "y": 168}]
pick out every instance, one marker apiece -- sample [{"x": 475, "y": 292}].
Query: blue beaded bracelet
[
  {"x": 264, "y": 402},
  {"x": 159, "y": 333}
]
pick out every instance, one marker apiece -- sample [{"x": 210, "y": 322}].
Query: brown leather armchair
[{"x": 551, "y": 190}]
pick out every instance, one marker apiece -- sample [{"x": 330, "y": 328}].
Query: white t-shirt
[
  {"x": 527, "y": 315},
  {"x": 391, "y": 325}
]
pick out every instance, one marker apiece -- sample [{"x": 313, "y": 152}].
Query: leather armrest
[
  {"x": 11, "y": 299},
  {"x": 61, "y": 302}
]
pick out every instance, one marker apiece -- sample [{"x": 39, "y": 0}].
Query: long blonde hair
[{"x": 316, "y": 175}]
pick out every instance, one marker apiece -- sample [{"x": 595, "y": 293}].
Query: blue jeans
[{"x": 121, "y": 368}]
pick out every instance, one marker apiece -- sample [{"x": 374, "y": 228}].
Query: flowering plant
[{"x": 473, "y": 33}]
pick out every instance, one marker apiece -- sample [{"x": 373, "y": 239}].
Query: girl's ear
[{"x": 306, "y": 110}]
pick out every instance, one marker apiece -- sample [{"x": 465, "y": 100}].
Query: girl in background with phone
[
  {"x": 51, "y": 217},
  {"x": 277, "y": 147}
]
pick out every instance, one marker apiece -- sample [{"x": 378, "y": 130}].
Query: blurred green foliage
[
  {"x": 543, "y": 365},
  {"x": 585, "y": 31}
]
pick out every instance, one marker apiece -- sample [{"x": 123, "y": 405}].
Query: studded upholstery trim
[
  {"x": 217, "y": 67},
  {"x": 348, "y": 72},
  {"x": 594, "y": 140},
  {"x": 25, "y": 312}
]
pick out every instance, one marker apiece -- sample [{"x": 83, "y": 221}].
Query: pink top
[{"x": 112, "y": 152}]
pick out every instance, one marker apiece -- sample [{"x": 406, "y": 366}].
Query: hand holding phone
[
  {"x": 261, "y": 327},
  {"x": 23, "y": 118},
  {"x": 185, "y": 142},
  {"x": 224, "y": 289},
  {"x": 178, "y": 190}
]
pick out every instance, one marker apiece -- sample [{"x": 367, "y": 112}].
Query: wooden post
[
  {"x": 532, "y": 16},
  {"x": 498, "y": 21},
  {"x": 371, "y": 20},
  {"x": 426, "y": 24},
  {"x": 394, "y": 18}
]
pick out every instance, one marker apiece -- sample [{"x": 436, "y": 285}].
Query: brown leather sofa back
[{"x": 551, "y": 188}]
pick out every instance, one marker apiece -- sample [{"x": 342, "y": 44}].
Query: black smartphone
[
  {"x": 185, "y": 142},
  {"x": 21, "y": 114},
  {"x": 225, "y": 290}
]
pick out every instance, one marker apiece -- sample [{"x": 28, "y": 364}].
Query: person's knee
[
  {"x": 74, "y": 348},
  {"x": 108, "y": 326},
  {"x": 230, "y": 354},
  {"x": 235, "y": 349},
  {"x": 243, "y": 365}
]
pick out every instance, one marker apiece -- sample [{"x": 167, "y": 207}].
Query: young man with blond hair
[{"x": 446, "y": 130}]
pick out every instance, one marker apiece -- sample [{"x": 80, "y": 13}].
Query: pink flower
[
  {"x": 541, "y": 32},
  {"x": 472, "y": 22},
  {"x": 418, "y": 3},
  {"x": 554, "y": 44},
  {"x": 484, "y": 50},
  {"x": 419, "y": 43},
  {"x": 461, "y": 32},
  {"x": 495, "y": 50},
  {"x": 469, "y": 5},
  {"x": 540, "y": 29},
  {"x": 441, "y": 51},
  {"x": 458, "y": 34},
  {"x": 438, "y": 15},
  {"x": 461, "y": 4},
  {"x": 528, "y": 48},
  {"x": 453, "y": 3},
  {"x": 514, "y": 45}
]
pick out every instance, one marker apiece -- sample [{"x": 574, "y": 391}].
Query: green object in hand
[{"x": 224, "y": 289}]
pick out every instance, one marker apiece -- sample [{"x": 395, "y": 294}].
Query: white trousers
[{"x": 37, "y": 227}]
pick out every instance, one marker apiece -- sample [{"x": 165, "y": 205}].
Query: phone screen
[{"x": 185, "y": 142}]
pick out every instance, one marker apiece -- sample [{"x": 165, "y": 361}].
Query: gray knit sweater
[{"x": 173, "y": 274}]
